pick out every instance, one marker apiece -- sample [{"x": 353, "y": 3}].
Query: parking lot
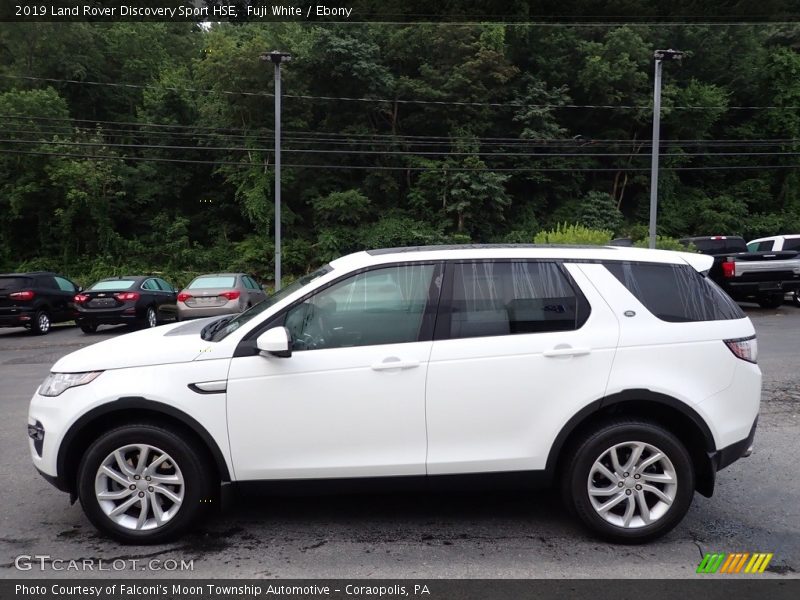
[{"x": 491, "y": 535}]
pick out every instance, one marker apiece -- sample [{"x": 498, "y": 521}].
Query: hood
[{"x": 175, "y": 343}]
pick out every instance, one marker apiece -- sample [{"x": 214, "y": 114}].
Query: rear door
[
  {"x": 520, "y": 347},
  {"x": 66, "y": 294},
  {"x": 168, "y": 304}
]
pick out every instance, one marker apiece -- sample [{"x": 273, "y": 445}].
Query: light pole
[
  {"x": 660, "y": 56},
  {"x": 277, "y": 58}
]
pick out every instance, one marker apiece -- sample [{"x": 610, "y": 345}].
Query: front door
[{"x": 350, "y": 401}]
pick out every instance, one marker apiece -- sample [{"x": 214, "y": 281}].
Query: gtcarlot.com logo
[
  {"x": 733, "y": 563},
  {"x": 44, "y": 562}
]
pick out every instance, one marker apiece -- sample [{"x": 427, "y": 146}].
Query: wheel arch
[
  {"x": 677, "y": 416},
  {"x": 127, "y": 409}
]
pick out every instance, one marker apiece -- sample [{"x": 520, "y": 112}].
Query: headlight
[{"x": 57, "y": 383}]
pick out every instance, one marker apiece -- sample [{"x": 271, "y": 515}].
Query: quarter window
[
  {"x": 65, "y": 285},
  {"x": 383, "y": 306},
  {"x": 507, "y": 298},
  {"x": 675, "y": 293}
]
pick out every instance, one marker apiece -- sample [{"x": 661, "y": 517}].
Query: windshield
[
  {"x": 212, "y": 282},
  {"x": 215, "y": 332},
  {"x": 115, "y": 284}
]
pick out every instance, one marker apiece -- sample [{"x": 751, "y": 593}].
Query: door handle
[
  {"x": 393, "y": 363},
  {"x": 568, "y": 351}
]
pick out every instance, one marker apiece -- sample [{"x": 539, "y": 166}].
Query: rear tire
[
  {"x": 796, "y": 298},
  {"x": 641, "y": 497},
  {"x": 41, "y": 323},
  {"x": 150, "y": 318},
  {"x": 88, "y": 328},
  {"x": 771, "y": 301},
  {"x": 158, "y": 509}
]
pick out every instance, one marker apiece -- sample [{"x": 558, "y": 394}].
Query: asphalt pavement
[{"x": 411, "y": 535}]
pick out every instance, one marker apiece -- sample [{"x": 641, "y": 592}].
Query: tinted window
[
  {"x": 249, "y": 283},
  {"x": 14, "y": 283},
  {"x": 384, "y": 306},
  {"x": 112, "y": 285},
  {"x": 675, "y": 293},
  {"x": 64, "y": 284},
  {"x": 213, "y": 282},
  {"x": 164, "y": 285},
  {"x": 150, "y": 284},
  {"x": 47, "y": 282},
  {"x": 505, "y": 298},
  {"x": 791, "y": 244},
  {"x": 729, "y": 245}
]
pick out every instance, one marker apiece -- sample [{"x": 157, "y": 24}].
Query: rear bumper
[
  {"x": 187, "y": 312},
  {"x": 20, "y": 318},
  {"x": 106, "y": 317},
  {"x": 748, "y": 289},
  {"x": 730, "y": 454}
]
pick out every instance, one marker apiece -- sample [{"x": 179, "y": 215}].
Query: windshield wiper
[{"x": 209, "y": 330}]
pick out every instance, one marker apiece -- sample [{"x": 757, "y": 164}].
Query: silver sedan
[{"x": 218, "y": 294}]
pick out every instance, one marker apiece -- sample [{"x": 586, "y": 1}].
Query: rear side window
[
  {"x": 791, "y": 244},
  {"x": 64, "y": 285},
  {"x": 675, "y": 293},
  {"x": 47, "y": 282},
  {"x": 760, "y": 246},
  {"x": 507, "y": 298}
]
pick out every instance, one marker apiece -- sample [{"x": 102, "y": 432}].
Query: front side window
[
  {"x": 383, "y": 306},
  {"x": 507, "y": 298},
  {"x": 675, "y": 293},
  {"x": 65, "y": 285}
]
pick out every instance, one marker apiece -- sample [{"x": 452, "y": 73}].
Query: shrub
[{"x": 573, "y": 234}]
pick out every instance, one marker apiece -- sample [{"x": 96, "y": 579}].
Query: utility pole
[
  {"x": 277, "y": 58},
  {"x": 660, "y": 56}
]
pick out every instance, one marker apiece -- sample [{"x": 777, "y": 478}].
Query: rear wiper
[{"x": 209, "y": 330}]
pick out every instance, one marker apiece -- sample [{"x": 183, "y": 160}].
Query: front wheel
[
  {"x": 629, "y": 481},
  {"x": 143, "y": 483}
]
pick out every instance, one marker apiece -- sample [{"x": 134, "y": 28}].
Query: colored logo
[{"x": 737, "y": 562}]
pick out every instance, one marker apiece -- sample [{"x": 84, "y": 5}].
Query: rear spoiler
[{"x": 701, "y": 263}]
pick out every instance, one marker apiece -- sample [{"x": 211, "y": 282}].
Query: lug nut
[
  {"x": 150, "y": 488},
  {"x": 136, "y": 477},
  {"x": 133, "y": 486},
  {"x": 620, "y": 484},
  {"x": 625, "y": 474},
  {"x": 148, "y": 478},
  {"x": 637, "y": 476},
  {"x": 638, "y": 487},
  {"x": 141, "y": 494},
  {"x": 627, "y": 492}
]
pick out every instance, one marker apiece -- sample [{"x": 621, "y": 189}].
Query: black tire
[
  {"x": 771, "y": 301},
  {"x": 41, "y": 323},
  {"x": 187, "y": 456},
  {"x": 796, "y": 298},
  {"x": 592, "y": 446},
  {"x": 149, "y": 321},
  {"x": 88, "y": 327}
]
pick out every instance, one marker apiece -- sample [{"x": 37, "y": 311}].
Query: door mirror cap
[{"x": 276, "y": 341}]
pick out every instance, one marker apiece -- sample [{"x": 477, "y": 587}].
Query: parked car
[
  {"x": 777, "y": 243},
  {"x": 763, "y": 277},
  {"x": 36, "y": 300},
  {"x": 622, "y": 375},
  {"x": 136, "y": 300},
  {"x": 219, "y": 294}
]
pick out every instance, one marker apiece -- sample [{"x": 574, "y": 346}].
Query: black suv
[{"x": 36, "y": 300}]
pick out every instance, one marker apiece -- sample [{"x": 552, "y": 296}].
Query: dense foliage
[{"x": 149, "y": 146}]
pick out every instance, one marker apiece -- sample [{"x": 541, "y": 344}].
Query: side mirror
[
  {"x": 79, "y": 289},
  {"x": 276, "y": 341}
]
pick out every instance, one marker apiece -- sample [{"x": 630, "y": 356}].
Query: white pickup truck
[{"x": 775, "y": 243}]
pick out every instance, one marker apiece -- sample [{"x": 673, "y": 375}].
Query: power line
[
  {"x": 389, "y": 100},
  {"x": 395, "y": 168},
  {"x": 389, "y": 152}
]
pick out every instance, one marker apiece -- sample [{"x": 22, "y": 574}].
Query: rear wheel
[
  {"x": 150, "y": 318},
  {"x": 629, "y": 481},
  {"x": 41, "y": 323},
  {"x": 143, "y": 483},
  {"x": 770, "y": 301},
  {"x": 796, "y": 298},
  {"x": 88, "y": 328}
]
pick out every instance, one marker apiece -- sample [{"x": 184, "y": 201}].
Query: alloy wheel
[
  {"x": 632, "y": 484},
  {"x": 139, "y": 487},
  {"x": 151, "y": 318}
]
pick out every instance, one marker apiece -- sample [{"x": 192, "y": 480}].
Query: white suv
[{"x": 623, "y": 375}]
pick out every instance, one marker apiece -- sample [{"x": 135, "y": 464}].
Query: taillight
[
  {"x": 26, "y": 295},
  {"x": 729, "y": 269},
  {"x": 81, "y": 298},
  {"x": 744, "y": 348},
  {"x": 183, "y": 297},
  {"x": 125, "y": 296},
  {"x": 232, "y": 295}
]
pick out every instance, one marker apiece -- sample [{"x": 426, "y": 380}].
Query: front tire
[
  {"x": 629, "y": 481},
  {"x": 143, "y": 483}
]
